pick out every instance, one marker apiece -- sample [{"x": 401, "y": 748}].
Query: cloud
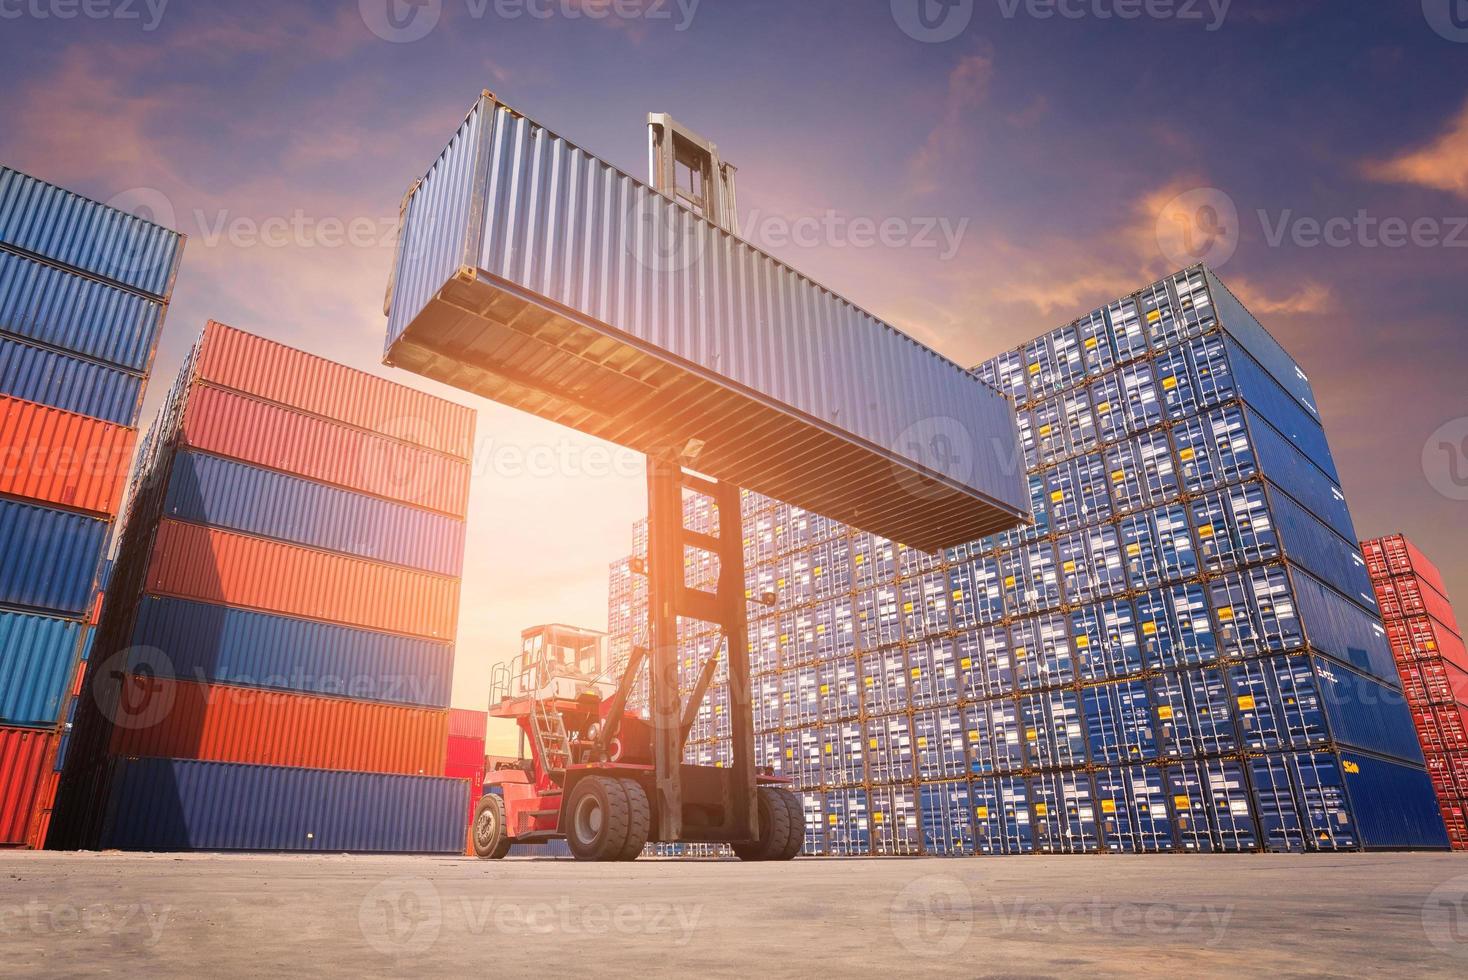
[
  {"x": 1440, "y": 165},
  {"x": 968, "y": 88},
  {"x": 1310, "y": 297}
]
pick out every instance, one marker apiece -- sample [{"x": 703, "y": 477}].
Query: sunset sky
[{"x": 1044, "y": 152}]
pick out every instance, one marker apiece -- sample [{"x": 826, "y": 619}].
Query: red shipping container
[
  {"x": 25, "y": 766},
  {"x": 1386, "y": 598},
  {"x": 277, "y": 373},
  {"x": 173, "y": 719},
  {"x": 464, "y": 723},
  {"x": 1452, "y": 728},
  {"x": 193, "y": 562},
  {"x": 1395, "y": 555},
  {"x": 465, "y": 754},
  {"x": 1417, "y": 598},
  {"x": 1422, "y": 637},
  {"x": 61, "y": 458},
  {"x": 244, "y": 428}
]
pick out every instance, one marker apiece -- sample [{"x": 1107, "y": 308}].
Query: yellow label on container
[
  {"x": 1108, "y": 806},
  {"x": 1057, "y": 496},
  {"x": 957, "y": 595},
  {"x": 1083, "y": 641},
  {"x": 1164, "y": 711},
  {"x": 1226, "y": 613},
  {"x": 828, "y": 748},
  {"x": 1104, "y": 407},
  {"x": 1020, "y": 653},
  {"x": 1154, "y": 316},
  {"x": 1045, "y": 430},
  {"x": 1042, "y": 809},
  {"x": 966, "y": 663},
  {"x": 982, "y": 812},
  {"x": 1186, "y": 454},
  {"x": 1169, "y": 383},
  {"x": 1118, "y": 476},
  {"x": 1150, "y": 629},
  {"x": 789, "y": 753},
  {"x": 1351, "y": 768},
  {"x": 1009, "y": 582},
  {"x": 825, "y": 688},
  {"x": 1206, "y": 531},
  {"x": 916, "y": 672},
  {"x": 1031, "y": 734},
  {"x": 873, "y": 743},
  {"x": 861, "y": 559},
  {"x": 1182, "y": 802},
  {"x": 922, "y": 741},
  {"x": 1246, "y": 702},
  {"x": 879, "y": 818},
  {"x": 973, "y": 736},
  {"x": 870, "y": 681},
  {"x": 1133, "y": 549},
  {"x": 1034, "y": 369},
  {"x": 831, "y": 820},
  {"x": 1092, "y": 343},
  {"x": 780, "y": 583},
  {"x": 784, "y": 637},
  {"x": 907, "y": 607},
  {"x": 1069, "y": 566}
]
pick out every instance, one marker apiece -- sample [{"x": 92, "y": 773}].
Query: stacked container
[
  {"x": 1433, "y": 663},
  {"x": 1181, "y": 653},
  {"x": 465, "y": 757},
  {"x": 277, "y": 642},
  {"x": 83, "y": 293}
]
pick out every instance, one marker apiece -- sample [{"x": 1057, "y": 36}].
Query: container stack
[
  {"x": 465, "y": 755},
  {"x": 1433, "y": 663},
  {"x": 1182, "y": 653},
  {"x": 83, "y": 293},
  {"x": 274, "y": 661}
]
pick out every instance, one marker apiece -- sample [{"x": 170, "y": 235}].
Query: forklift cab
[{"x": 556, "y": 663}]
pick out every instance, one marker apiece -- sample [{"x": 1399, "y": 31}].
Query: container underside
[{"x": 489, "y": 337}]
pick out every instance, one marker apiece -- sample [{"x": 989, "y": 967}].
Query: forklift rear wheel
[
  {"x": 639, "y": 820},
  {"x": 774, "y": 828},
  {"x": 797, "y": 823},
  {"x": 598, "y": 819},
  {"x": 490, "y": 840}
]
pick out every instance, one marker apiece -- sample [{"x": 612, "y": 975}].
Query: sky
[{"x": 1029, "y": 160}]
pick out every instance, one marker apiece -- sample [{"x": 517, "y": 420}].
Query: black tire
[
  {"x": 774, "y": 829},
  {"x": 490, "y": 840},
  {"x": 639, "y": 820},
  {"x": 596, "y": 819},
  {"x": 796, "y": 809}
]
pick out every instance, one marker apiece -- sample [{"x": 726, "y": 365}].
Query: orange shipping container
[
  {"x": 61, "y": 458},
  {"x": 242, "y": 361},
  {"x": 244, "y": 428},
  {"x": 211, "y": 565},
  {"x": 184, "y": 720},
  {"x": 25, "y": 765}
]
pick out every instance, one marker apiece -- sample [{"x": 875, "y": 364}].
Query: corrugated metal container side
[
  {"x": 192, "y": 562},
  {"x": 1341, "y": 628},
  {"x": 1394, "y": 805},
  {"x": 234, "y": 359},
  {"x": 68, "y": 383},
  {"x": 1330, "y": 557},
  {"x": 56, "y": 308},
  {"x": 177, "y": 805},
  {"x": 1261, "y": 345},
  {"x": 24, "y": 758},
  {"x": 244, "y": 428},
  {"x": 72, "y": 230},
  {"x": 1367, "y": 715},
  {"x": 199, "y": 641},
  {"x": 1276, "y": 407},
  {"x": 37, "y": 654},
  {"x": 464, "y": 755},
  {"x": 225, "y": 493},
  {"x": 1291, "y": 471},
  {"x": 1397, "y": 555},
  {"x": 61, "y": 458},
  {"x": 51, "y": 558},
  {"x": 464, "y": 723},
  {"x": 792, "y": 390},
  {"x": 182, "y": 720}
]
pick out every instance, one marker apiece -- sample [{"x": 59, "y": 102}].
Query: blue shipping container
[
  {"x": 1395, "y": 806},
  {"x": 36, "y": 657},
  {"x": 1366, "y": 714},
  {"x": 71, "y": 384},
  {"x": 70, "y": 312},
  {"x": 217, "y": 644},
  {"x": 72, "y": 230},
  {"x": 50, "y": 558},
  {"x": 184, "y": 805},
  {"x": 224, "y": 493}
]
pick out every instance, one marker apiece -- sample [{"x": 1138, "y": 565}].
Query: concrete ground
[{"x": 64, "y": 915}]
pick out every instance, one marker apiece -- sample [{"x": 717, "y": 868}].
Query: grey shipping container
[{"x": 535, "y": 274}]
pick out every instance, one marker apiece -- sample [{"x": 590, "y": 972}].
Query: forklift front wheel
[
  {"x": 490, "y": 840},
  {"x": 598, "y": 818}
]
